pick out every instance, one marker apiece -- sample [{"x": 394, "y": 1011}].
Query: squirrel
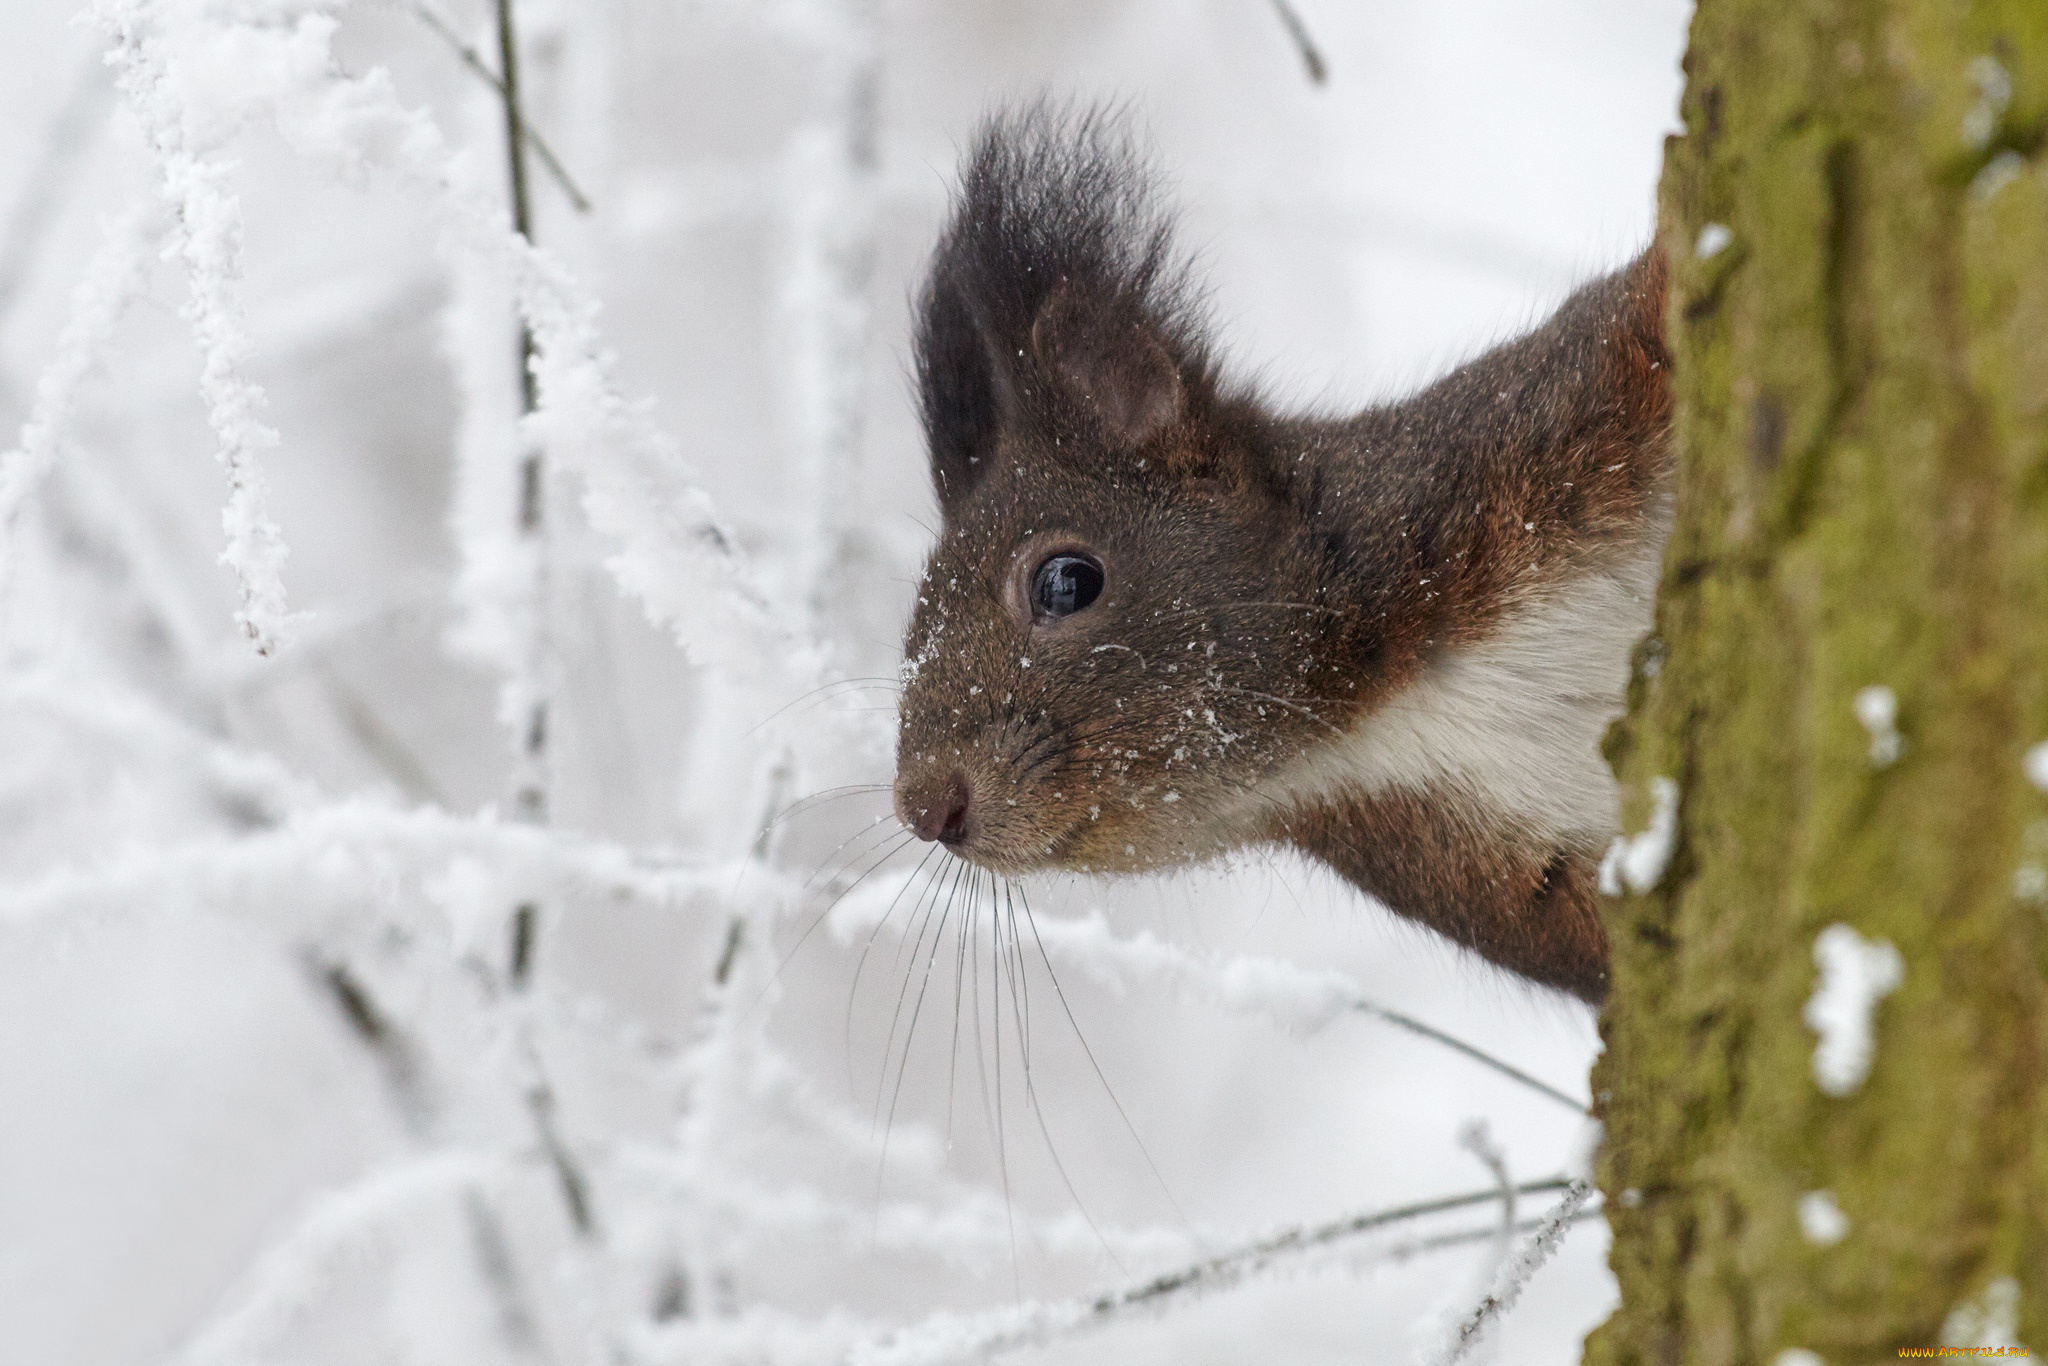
[{"x": 1163, "y": 622}]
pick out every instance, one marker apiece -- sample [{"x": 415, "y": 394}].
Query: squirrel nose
[{"x": 943, "y": 817}]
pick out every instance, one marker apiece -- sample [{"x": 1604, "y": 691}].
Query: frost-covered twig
[
  {"x": 971, "y": 1228},
  {"x": 525, "y": 705},
  {"x": 673, "y": 553},
  {"x": 250, "y": 789},
  {"x": 207, "y": 237},
  {"x": 833, "y": 188},
  {"x": 947, "y": 1339},
  {"x": 116, "y": 277},
  {"x": 1514, "y": 1275},
  {"x": 1477, "y": 1139},
  {"x": 431, "y": 17},
  {"x": 397, "y": 1056},
  {"x": 420, "y": 1105},
  {"x": 290, "y": 1277},
  {"x": 337, "y": 855},
  {"x": 58, "y": 163},
  {"x": 1299, "y": 999},
  {"x": 728, "y": 1046},
  {"x": 759, "y": 1334}
]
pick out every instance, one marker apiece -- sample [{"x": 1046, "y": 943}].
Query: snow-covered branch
[
  {"x": 160, "y": 82},
  {"x": 327, "y": 860},
  {"x": 948, "y": 1339},
  {"x": 1515, "y": 1273},
  {"x": 294, "y": 1273},
  {"x": 115, "y": 279},
  {"x": 1298, "y": 999}
]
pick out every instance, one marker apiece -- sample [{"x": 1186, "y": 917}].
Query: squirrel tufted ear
[
  {"x": 959, "y": 389},
  {"x": 1112, "y": 359}
]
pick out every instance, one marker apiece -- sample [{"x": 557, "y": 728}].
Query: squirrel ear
[
  {"x": 1111, "y": 358},
  {"x": 959, "y": 390}
]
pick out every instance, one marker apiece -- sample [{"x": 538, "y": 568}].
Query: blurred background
[{"x": 307, "y": 1056}]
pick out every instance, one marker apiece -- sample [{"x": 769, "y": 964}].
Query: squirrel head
[{"x": 1115, "y": 635}]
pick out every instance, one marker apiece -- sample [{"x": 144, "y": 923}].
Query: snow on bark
[
  {"x": 1821, "y": 1219},
  {"x": 1855, "y": 974},
  {"x": 2037, "y": 766},
  {"x": 1877, "y": 711},
  {"x": 1636, "y": 863}
]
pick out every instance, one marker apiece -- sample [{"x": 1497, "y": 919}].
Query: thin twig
[
  {"x": 1513, "y": 1277},
  {"x": 953, "y": 1342},
  {"x": 1304, "y": 42},
  {"x": 530, "y": 794},
  {"x": 713, "y": 1036},
  {"x": 340, "y": 1228},
  {"x": 1097, "y": 950},
  {"x": 117, "y": 276},
  {"x": 399, "y": 1057},
  {"x": 207, "y": 237},
  {"x": 531, "y": 797},
  {"x": 1477, "y": 1139},
  {"x": 470, "y": 58},
  {"x": 569, "y": 1173},
  {"x": 395, "y": 1053},
  {"x": 1457, "y": 1045}
]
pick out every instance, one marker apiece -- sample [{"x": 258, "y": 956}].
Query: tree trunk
[{"x": 1857, "y": 220}]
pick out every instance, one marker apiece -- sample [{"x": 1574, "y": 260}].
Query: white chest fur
[{"x": 1512, "y": 722}]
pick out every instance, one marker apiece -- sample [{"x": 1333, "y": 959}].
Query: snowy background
[{"x": 311, "y": 1052}]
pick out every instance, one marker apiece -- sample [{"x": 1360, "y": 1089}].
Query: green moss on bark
[{"x": 1862, "y": 500}]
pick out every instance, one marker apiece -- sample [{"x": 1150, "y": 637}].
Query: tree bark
[{"x": 1857, "y": 221}]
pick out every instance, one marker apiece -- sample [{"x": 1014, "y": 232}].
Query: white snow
[
  {"x": 1637, "y": 862},
  {"x": 1990, "y": 1320},
  {"x": 2030, "y": 883},
  {"x": 1713, "y": 240},
  {"x": 2036, "y": 764},
  {"x": 1855, "y": 974},
  {"x": 1877, "y": 711},
  {"x": 1994, "y": 93},
  {"x": 1821, "y": 1219}
]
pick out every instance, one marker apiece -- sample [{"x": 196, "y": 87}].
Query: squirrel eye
[{"x": 1065, "y": 584}]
